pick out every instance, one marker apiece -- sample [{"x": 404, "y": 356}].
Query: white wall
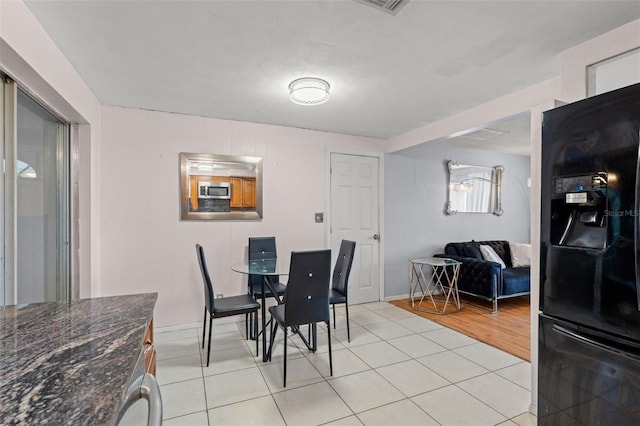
[
  {"x": 146, "y": 248},
  {"x": 415, "y": 200}
]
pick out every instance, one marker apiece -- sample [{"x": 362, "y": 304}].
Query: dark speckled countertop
[{"x": 69, "y": 362}]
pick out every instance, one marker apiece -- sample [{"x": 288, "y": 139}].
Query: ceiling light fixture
[{"x": 309, "y": 91}]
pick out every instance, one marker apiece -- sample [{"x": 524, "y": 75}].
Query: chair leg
[
  {"x": 315, "y": 336},
  {"x": 209, "y": 346},
  {"x": 346, "y": 311},
  {"x": 204, "y": 326},
  {"x": 272, "y": 338},
  {"x": 284, "y": 384},
  {"x": 334, "y": 315},
  {"x": 330, "y": 356},
  {"x": 246, "y": 326},
  {"x": 255, "y": 329},
  {"x": 253, "y": 321}
]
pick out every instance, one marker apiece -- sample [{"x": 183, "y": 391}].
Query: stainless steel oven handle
[
  {"x": 636, "y": 227},
  {"x": 144, "y": 387}
]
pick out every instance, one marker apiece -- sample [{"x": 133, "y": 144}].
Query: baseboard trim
[{"x": 398, "y": 297}]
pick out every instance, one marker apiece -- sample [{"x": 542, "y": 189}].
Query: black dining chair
[
  {"x": 306, "y": 301},
  {"x": 340, "y": 280},
  {"x": 223, "y": 307},
  {"x": 263, "y": 248}
]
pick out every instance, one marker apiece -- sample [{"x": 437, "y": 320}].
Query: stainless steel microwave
[{"x": 214, "y": 190}]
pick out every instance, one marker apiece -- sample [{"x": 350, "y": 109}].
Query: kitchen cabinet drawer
[{"x": 150, "y": 361}]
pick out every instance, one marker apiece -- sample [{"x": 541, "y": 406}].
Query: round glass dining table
[{"x": 266, "y": 268}]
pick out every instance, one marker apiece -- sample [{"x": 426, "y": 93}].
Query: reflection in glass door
[{"x": 36, "y": 204}]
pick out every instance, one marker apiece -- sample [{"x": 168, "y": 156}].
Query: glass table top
[
  {"x": 434, "y": 261},
  {"x": 272, "y": 266}
]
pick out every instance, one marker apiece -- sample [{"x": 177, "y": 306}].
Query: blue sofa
[{"x": 485, "y": 279}]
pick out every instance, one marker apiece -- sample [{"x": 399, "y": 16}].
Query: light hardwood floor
[{"x": 508, "y": 329}]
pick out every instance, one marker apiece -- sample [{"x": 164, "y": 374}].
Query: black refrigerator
[{"x": 589, "y": 327}]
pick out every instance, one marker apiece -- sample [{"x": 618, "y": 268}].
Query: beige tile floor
[{"x": 398, "y": 369}]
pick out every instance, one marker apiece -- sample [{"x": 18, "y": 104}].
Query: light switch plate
[{"x": 319, "y": 217}]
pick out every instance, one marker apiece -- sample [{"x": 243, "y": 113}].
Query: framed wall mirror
[
  {"x": 220, "y": 187},
  {"x": 474, "y": 189}
]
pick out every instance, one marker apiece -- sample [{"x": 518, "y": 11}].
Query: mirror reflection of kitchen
[{"x": 221, "y": 186}]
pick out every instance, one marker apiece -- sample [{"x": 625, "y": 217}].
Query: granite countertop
[{"x": 70, "y": 362}]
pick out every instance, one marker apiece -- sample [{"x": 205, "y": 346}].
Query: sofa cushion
[
  {"x": 515, "y": 280},
  {"x": 454, "y": 249},
  {"x": 489, "y": 254},
  {"x": 472, "y": 250},
  {"x": 501, "y": 247},
  {"x": 520, "y": 254}
]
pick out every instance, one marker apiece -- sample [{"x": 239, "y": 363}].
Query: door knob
[{"x": 376, "y": 237}]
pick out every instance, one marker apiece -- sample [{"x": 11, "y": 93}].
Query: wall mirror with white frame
[
  {"x": 220, "y": 187},
  {"x": 474, "y": 189}
]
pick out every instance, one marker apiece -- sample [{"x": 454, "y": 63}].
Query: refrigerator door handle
[
  {"x": 591, "y": 342},
  {"x": 636, "y": 230}
]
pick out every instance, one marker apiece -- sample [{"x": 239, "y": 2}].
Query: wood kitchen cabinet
[
  {"x": 193, "y": 192},
  {"x": 243, "y": 192},
  {"x": 149, "y": 350},
  {"x": 236, "y": 192},
  {"x": 249, "y": 192}
]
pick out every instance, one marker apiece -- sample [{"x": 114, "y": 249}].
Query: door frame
[{"x": 362, "y": 153}]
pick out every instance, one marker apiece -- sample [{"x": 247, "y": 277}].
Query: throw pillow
[
  {"x": 520, "y": 254},
  {"x": 490, "y": 254},
  {"x": 472, "y": 250}
]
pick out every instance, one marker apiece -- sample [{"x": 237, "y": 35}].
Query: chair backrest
[
  {"x": 342, "y": 270},
  {"x": 307, "y": 294},
  {"x": 208, "y": 287},
  {"x": 262, "y": 248}
]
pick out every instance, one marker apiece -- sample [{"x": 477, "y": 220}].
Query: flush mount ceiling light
[{"x": 309, "y": 91}]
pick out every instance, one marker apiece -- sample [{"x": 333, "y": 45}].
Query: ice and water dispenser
[{"x": 578, "y": 211}]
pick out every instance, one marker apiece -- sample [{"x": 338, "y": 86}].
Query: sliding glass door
[{"x": 35, "y": 211}]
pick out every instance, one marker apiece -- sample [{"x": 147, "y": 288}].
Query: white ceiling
[
  {"x": 510, "y": 135},
  {"x": 389, "y": 74}
]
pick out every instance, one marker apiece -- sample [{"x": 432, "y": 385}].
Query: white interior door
[{"x": 355, "y": 216}]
